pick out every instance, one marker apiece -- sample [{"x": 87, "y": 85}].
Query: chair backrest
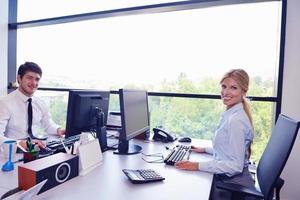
[{"x": 276, "y": 154}]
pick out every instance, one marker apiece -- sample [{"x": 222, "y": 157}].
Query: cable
[
  {"x": 159, "y": 160},
  {"x": 153, "y": 155},
  {"x": 154, "y": 161}
]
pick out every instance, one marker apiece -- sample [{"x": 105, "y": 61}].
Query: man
[{"x": 15, "y": 121}]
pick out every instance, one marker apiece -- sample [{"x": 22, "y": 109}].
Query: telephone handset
[{"x": 162, "y": 135}]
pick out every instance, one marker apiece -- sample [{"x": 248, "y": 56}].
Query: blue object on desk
[{"x": 9, "y": 165}]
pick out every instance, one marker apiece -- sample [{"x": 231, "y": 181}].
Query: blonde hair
[{"x": 242, "y": 78}]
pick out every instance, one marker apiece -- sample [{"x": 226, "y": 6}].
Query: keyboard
[
  {"x": 142, "y": 175},
  {"x": 178, "y": 153},
  {"x": 56, "y": 145},
  {"x": 45, "y": 152}
]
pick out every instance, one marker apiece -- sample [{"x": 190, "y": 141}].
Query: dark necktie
[{"x": 29, "y": 130}]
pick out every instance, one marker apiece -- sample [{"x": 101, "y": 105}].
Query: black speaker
[{"x": 57, "y": 168}]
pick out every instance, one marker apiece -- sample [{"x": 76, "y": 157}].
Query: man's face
[{"x": 28, "y": 84}]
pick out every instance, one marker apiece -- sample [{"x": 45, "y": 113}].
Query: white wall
[
  {"x": 291, "y": 97},
  {"x": 3, "y": 46}
]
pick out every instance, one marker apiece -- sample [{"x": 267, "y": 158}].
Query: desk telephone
[{"x": 162, "y": 135}]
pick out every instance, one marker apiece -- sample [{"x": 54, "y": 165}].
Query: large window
[
  {"x": 184, "y": 51},
  {"x": 151, "y": 50}
]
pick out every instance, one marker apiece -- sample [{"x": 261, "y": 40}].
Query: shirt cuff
[
  {"x": 52, "y": 130},
  {"x": 205, "y": 166}
]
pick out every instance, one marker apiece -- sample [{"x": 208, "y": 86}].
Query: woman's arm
[{"x": 231, "y": 152}]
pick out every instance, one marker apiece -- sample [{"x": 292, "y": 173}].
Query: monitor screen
[
  {"x": 83, "y": 106},
  {"x": 134, "y": 118}
]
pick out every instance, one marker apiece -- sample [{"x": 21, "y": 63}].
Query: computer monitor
[
  {"x": 83, "y": 108},
  {"x": 134, "y": 119}
]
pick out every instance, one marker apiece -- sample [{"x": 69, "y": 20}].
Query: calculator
[{"x": 142, "y": 175}]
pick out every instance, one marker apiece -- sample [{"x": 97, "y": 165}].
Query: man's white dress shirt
[{"x": 14, "y": 117}]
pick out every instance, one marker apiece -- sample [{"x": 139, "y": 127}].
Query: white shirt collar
[
  {"x": 22, "y": 96},
  {"x": 233, "y": 109}
]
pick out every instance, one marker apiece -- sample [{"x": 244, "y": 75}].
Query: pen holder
[{"x": 30, "y": 156}]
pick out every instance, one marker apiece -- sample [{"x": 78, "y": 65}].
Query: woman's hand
[
  {"x": 198, "y": 149},
  {"x": 187, "y": 165}
]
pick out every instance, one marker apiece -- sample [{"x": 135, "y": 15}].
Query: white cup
[{"x": 5, "y": 150}]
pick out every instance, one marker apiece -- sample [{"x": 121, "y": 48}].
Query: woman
[{"x": 232, "y": 141}]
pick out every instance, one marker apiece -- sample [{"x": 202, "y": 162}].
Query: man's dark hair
[{"x": 29, "y": 66}]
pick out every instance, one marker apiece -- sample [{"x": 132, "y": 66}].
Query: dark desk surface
[{"x": 108, "y": 181}]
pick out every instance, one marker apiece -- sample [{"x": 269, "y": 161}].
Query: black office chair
[{"x": 271, "y": 163}]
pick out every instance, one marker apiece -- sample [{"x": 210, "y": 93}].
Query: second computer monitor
[
  {"x": 83, "y": 106},
  {"x": 134, "y": 118}
]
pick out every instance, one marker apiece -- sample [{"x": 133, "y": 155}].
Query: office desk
[{"x": 108, "y": 181}]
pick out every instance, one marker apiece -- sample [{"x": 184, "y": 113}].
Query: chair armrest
[
  {"x": 279, "y": 183},
  {"x": 242, "y": 190}
]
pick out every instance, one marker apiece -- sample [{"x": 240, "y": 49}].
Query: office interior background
[{"x": 178, "y": 51}]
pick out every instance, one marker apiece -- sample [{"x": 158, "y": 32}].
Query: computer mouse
[{"x": 185, "y": 139}]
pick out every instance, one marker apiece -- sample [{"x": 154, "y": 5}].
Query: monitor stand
[
  {"x": 101, "y": 129},
  {"x": 101, "y": 135},
  {"x": 124, "y": 148}
]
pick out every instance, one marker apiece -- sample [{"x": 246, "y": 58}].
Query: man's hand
[
  {"x": 23, "y": 143},
  {"x": 187, "y": 165},
  {"x": 61, "y": 132},
  {"x": 40, "y": 143}
]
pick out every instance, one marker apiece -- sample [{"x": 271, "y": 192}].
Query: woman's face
[{"x": 231, "y": 92}]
